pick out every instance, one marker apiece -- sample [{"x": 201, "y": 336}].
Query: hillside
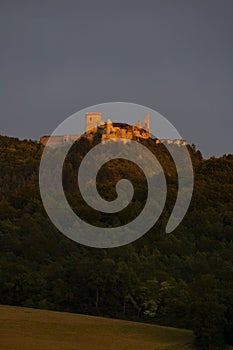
[
  {"x": 27, "y": 329},
  {"x": 184, "y": 279}
]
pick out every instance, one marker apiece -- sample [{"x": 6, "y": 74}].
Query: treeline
[{"x": 183, "y": 279}]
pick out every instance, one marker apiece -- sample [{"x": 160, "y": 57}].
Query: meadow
[{"x": 34, "y": 329}]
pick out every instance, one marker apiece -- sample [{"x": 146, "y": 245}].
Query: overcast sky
[{"x": 173, "y": 56}]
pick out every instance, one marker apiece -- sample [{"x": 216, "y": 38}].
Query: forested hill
[{"x": 183, "y": 279}]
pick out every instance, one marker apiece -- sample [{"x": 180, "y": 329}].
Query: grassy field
[{"x": 29, "y": 329}]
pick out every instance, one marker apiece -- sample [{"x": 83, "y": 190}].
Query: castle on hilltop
[
  {"x": 113, "y": 131},
  {"x": 109, "y": 131}
]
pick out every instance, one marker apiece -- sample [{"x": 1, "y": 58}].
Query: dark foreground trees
[{"x": 183, "y": 279}]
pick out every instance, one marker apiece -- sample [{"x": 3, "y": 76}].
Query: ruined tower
[{"x": 92, "y": 121}]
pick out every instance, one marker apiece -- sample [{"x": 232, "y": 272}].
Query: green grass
[{"x": 30, "y": 329}]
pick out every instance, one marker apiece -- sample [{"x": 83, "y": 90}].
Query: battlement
[
  {"x": 58, "y": 140},
  {"x": 178, "y": 142}
]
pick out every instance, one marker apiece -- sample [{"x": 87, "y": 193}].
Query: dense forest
[{"x": 182, "y": 279}]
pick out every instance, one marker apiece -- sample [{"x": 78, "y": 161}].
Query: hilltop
[{"x": 184, "y": 279}]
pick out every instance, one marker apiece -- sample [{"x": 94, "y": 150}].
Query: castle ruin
[
  {"x": 112, "y": 131},
  {"x": 109, "y": 131}
]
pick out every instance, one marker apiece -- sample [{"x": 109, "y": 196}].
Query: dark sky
[{"x": 173, "y": 56}]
